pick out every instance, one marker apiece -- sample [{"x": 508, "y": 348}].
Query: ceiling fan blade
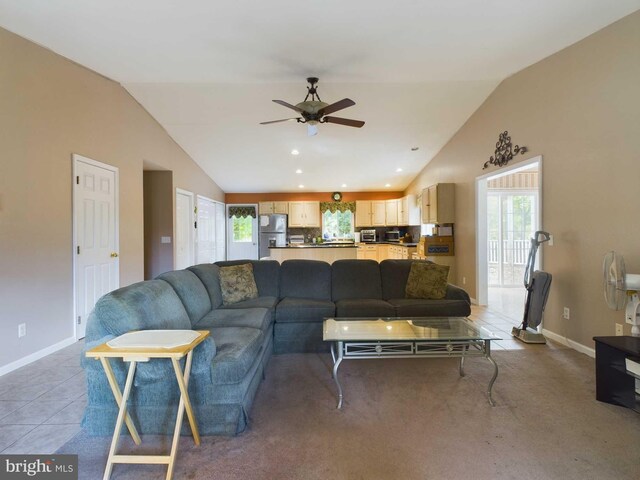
[
  {"x": 278, "y": 121},
  {"x": 334, "y": 107},
  {"x": 344, "y": 121},
  {"x": 288, "y": 105}
]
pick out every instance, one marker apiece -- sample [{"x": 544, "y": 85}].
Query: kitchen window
[{"x": 337, "y": 225}]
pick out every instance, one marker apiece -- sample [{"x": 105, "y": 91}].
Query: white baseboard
[
  {"x": 569, "y": 343},
  {"x": 10, "y": 367},
  {"x": 473, "y": 301}
]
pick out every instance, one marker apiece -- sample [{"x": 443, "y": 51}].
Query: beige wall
[
  {"x": 49, "y": 109},
  {"x": 580, "y": 110},
  {"x": 159, "y": 198}
]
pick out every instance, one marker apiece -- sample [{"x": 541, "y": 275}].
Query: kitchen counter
[{"x": 325, "y": 252}]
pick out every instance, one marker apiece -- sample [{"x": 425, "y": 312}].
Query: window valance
[
  {"x": 241, "y": 212},
  {"x": 334, "y": 207}
]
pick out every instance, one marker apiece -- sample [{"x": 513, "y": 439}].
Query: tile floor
[{"x": 41, "y": 404}]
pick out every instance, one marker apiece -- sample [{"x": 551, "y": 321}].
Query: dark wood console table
[{"x": 613, "y": 384}]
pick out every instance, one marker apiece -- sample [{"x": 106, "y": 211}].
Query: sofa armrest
[{"x": 456, "y": 293}]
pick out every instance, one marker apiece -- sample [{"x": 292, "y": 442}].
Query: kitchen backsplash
[{"x": 310, "y": 233}]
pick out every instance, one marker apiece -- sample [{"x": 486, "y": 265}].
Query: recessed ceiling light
[
  {"x": 344, "y": 185},
  {"x": 298, "y": 171},
  {"x": 398, "y": 169},
  {"x": 415, "y": 149},
  {"x": 300, "y": 186},
  {"x": 387, "y": 184},
  {"x": 295, "y": 152}
]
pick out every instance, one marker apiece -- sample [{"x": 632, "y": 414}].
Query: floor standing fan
[{"x": 622, "y": 288}]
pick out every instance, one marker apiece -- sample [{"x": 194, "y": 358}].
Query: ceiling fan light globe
[{"x": 312, "y": 129}]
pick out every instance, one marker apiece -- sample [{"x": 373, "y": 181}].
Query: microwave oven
[
  {"x": 392, "y": 235},
  {"x": 367, "y": 235}
]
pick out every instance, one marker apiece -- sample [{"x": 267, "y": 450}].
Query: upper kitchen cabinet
[
  {"x": 371, "y": 213},
  {"x": 408, "y": 211},
  {"x": 391, "y": 213},
  {"x": 438, "y": 203},
  {"x": 267, "y": 208},
  {"x": 304, "y": 214},
  {"x": 378, "y": 213}
]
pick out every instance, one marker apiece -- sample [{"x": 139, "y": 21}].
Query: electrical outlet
[
  {"x": 619, "y": 330},
  {"x": 550, "y": 242},
  {"x": 22, "y": 330},
  {"x": 464, "y": 280},
  {"x": 566, "y": 314}
]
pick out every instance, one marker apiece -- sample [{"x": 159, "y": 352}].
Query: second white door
[{"x": 185, "y": 230}]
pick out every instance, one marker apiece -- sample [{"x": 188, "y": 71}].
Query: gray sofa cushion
[
  {"x": 237, "y": 349},
  {"x": 142, "y": 306},
  {"x": 209, "y": 275},
  {"x": 304, "y": 310},
  {"x": 259, "y": 318},
  {"x": 417, "y": 307},
  {"x": 305, "y": 279},
  {"x": 265, "y": 272},
  {"x": 352, "y": 279},
  {"x": 260, "y": 302},
  {"x": 394, "y": 275},
  {"x": 191, "y": 291},
  {"x": 359, "y": 307}
]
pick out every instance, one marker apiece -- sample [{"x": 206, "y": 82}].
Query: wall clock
[{"x": 336, "y": 196}]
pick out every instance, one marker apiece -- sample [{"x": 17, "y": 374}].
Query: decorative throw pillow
[
  {"x": 237, "y": 283},
  {"x": 427, "y": 280}
]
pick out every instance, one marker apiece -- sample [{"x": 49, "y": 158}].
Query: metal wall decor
[{"x": 505, "y": 151}]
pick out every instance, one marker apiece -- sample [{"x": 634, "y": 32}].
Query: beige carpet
[{"x": 413, "y": 419}]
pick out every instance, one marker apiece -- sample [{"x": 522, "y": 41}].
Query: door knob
[{"x": 114, "y": 254}]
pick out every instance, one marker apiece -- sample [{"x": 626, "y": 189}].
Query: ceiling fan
[{"x": 313, "y": 111}]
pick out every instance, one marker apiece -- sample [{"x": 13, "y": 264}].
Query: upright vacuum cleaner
[{"x": 537, "y": 284}]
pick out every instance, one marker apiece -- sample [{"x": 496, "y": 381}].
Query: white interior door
[
  {"x": 185, "y": 230},
  {"x": 221, "y": 238},
  {"x": 242, "y": 235},
  {"x": 95, "y": 225},
  {"x": 205, "y": 230}
]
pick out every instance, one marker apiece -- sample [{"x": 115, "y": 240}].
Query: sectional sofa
[{"x": 293, "y": 298}]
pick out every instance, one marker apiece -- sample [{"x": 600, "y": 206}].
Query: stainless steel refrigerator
[{"x": 273, "y": 233}]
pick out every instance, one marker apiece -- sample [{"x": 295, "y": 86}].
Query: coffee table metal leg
[
  {"x": 495, "y": 371},
  {"x": 335, "y": 373},
  {"x": 333, "y": 354},
  {"x": 464, "y": 351}
]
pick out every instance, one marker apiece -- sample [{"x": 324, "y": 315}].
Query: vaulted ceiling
[{"x": 208, "y": 70}]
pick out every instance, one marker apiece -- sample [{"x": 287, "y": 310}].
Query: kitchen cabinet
[
  {"x": 367, "y": 252},
  {"x": 363, "y": 213},
  {"x": 323, "y": 254},
  {"x": 438, "y": 203},
  {"x": 378, "y": 213},
  {"x": 383, "y": 252},
  {"x": 304, "y": 214},
  {"x": 268, "y": 208},
  {"x": 391, "y": 212},
  {"x": 408, "y": 211},
  {"x": 387, "y": 213}
]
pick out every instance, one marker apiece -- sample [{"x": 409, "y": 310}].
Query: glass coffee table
[{"x": 361, "y": 338}]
